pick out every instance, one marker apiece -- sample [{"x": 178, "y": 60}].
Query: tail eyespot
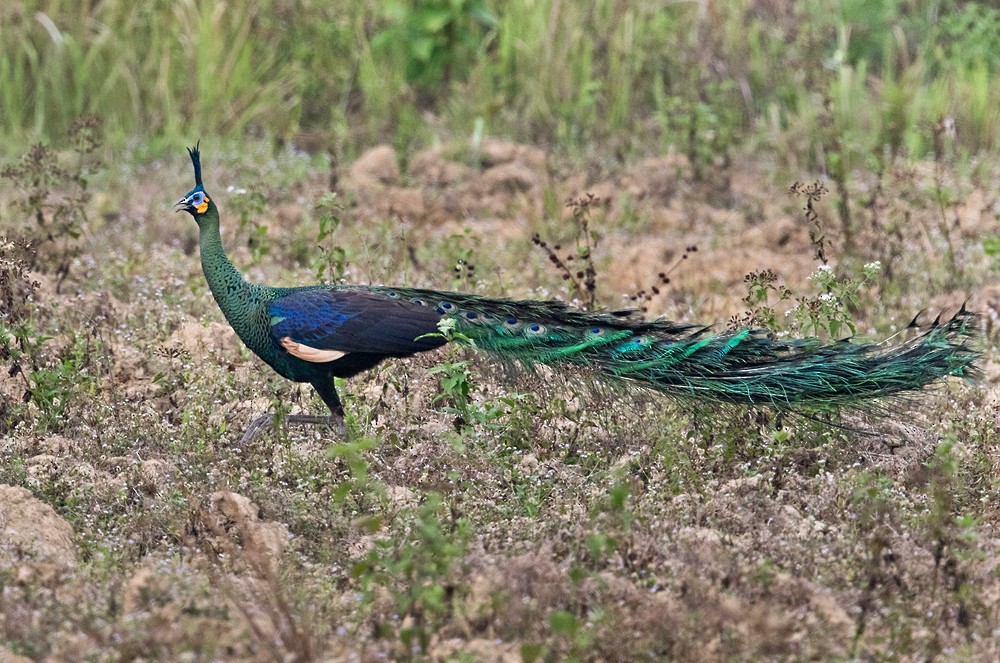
[
  {"x": 634, "y": 343},
  {"x": 536, "y": 329},
  {"x": 445, "y": 308}
]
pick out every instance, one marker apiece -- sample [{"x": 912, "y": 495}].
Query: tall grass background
[{"x": 623, "y": 77}]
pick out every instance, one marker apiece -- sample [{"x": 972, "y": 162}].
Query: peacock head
[{"x": 196, "y": 202}]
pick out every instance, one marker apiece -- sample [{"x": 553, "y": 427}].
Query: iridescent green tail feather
[{"x": 740, "y": 367}]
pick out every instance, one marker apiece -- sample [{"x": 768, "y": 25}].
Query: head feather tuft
[{"x": 196, "y": 160}]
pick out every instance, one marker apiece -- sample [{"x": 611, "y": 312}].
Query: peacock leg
[
  {"x": 265, "y": 421},
  {"x": 335, "y": 419},
  {"x": 259, "y": 424},
  {"x": 328, "y": 392}
]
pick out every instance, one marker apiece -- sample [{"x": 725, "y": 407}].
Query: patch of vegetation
[
  {"x": 475, "y": 511},
  {"x": 54, "y": 197},
  {"x": 419, "y": 572},
  {"x": 436, "y": 40},
  {"x": 861, "y": 79},
  {"x": 577, "y": 267}
]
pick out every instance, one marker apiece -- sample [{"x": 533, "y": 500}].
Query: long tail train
[{"x": 740, "y": 367}]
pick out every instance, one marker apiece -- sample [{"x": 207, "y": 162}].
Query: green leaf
[
  {"x": 563, "y": 622},
  {"x": 421, "y": 49},
  {"x": 991, "y": 246},
  {"x": 531, "y": 652},
  {"x": 432, "y": 19}
]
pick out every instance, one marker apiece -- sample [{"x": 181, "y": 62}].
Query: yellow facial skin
[{"x": 201, "y": 209}]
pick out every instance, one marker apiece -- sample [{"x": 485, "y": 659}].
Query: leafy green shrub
[
  {"x": 831, "y": 312},
  {"x": 331, "y": 262},
  {"x": 50, "y": 384},
  {"x": 417, "y": 568},
  {"x": 54, "y": 385},
  {"x": 436, "y": 39}
]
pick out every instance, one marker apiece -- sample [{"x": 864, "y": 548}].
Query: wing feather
[{"x": 352, "y": 320}]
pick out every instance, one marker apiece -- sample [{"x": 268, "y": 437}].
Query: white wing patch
[{"x": 306, "y": 353}]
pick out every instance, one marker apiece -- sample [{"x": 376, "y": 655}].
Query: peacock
[{"x": 317, "y": 333}]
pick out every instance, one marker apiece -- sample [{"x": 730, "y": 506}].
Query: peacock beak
[{"x": 183, "y": 205}]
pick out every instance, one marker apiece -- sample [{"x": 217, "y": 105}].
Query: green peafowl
[{"x": 316, "y": 333}]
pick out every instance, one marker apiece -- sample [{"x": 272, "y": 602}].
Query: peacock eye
[{"x": 197, "y": 198}]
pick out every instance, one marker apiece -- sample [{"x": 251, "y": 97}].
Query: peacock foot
[{"x": 265, "y": 421}]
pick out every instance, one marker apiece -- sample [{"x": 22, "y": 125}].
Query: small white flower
[
  {"x": 826, "y": 297},
  {"x": 874, "y": 266},
  {"x": 238, "y": 191},
  {"x": 822, "y": 272}
]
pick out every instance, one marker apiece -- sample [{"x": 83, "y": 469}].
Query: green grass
[{"x": 613, "y": 77}]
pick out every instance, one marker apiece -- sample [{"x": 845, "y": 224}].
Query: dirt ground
[{"x": 574, "y": 524}]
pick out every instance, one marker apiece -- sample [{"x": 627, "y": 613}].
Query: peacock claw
[{"x": 266, "y": 421}]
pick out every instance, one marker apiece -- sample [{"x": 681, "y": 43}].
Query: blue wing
[{"x": 354, "y": 321}]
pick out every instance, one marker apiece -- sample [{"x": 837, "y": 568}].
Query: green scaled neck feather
[{"x": 243, "y": 303}]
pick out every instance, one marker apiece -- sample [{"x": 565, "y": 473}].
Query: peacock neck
[{"x": 237, "y": 298}]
